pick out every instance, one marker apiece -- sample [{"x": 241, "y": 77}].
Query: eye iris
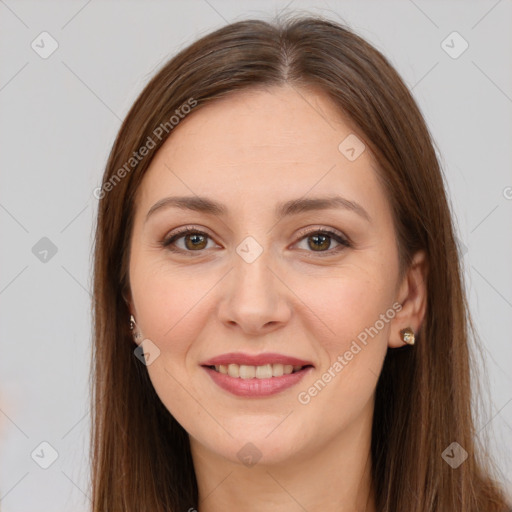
[
  {"x": 197, "y": 243},
  {"x": 325, "y": 241}
]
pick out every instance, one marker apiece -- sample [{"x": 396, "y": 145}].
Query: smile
[{"x": 256, "y": 381}]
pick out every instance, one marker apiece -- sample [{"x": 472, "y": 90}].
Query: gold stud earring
[{"x": 407, "y": 335}]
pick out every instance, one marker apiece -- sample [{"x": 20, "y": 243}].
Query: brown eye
[
  {"x": 194, "y": 241},
  {"x": 320, "y": 241}
]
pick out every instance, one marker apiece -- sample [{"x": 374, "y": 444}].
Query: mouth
[{"x": 256, "y": 376}]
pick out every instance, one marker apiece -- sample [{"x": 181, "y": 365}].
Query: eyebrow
[{"x": 284, "y": 209}]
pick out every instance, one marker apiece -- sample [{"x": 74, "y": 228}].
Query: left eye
[
  {"x": 196, "y": 241},
  {"x": 320, "y": 240}
]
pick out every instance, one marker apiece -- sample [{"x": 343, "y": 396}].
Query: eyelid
[{"x": 317, "y": 229}]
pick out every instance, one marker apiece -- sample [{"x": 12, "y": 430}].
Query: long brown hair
[{"x": 140, "y": 455}]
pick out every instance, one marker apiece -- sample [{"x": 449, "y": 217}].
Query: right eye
[{"x": 194, "y": 240}]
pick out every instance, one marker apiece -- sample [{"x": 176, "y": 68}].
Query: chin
[
  {"x": 262, "y": 441},
  {"x": 261, "y": 451}
]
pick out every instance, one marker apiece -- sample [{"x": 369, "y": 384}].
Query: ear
[
  {"x": 128, "y": 300},
  {"x": 412, "y": 295}
]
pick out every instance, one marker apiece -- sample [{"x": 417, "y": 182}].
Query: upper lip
[{"x": 255, "y": 360}]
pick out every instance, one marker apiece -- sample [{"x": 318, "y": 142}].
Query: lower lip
[{"x": 256, "y": 387}]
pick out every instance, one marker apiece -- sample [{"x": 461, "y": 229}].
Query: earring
[
  {"x": 136, "y": 334},
  {"x": 407, "y": 335}
]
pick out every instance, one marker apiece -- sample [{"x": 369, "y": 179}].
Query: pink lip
[
  {"x": 256, "y": 387},
  {"x": 257, "y": 360}
]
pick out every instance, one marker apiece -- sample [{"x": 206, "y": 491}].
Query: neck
[{"x": 335, "y": 476}]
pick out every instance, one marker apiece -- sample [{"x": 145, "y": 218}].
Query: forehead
[{"x": 260, "y": 146}]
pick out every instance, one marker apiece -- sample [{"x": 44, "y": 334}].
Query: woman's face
[{"x": 260, "y": 283}]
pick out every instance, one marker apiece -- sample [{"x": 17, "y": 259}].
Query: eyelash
[{"x": 344, "y": 243}]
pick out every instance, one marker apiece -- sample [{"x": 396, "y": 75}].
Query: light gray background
[{"x": 59, "y": 117}]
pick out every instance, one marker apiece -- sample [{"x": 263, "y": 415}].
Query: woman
[{"x": 280, "y": 319}]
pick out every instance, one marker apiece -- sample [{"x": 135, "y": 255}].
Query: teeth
[
  {"x": 247, "y": 372},
  {"x": 233, "y": 370},
  {"x": 265, "y": 371},
  {"x": 277, "y": 370}
]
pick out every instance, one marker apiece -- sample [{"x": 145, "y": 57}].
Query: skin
[{"x": 279, "y": 144}]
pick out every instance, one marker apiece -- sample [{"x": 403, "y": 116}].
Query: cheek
[
  {"x": 357, "y": 315},
  {"x": 170, "y": 305},
  {"x": 173, "y": 309},
  {"x": 350, "y": 306}
]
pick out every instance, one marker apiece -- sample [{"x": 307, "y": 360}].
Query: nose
[{"x": 255, "y": 298}]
